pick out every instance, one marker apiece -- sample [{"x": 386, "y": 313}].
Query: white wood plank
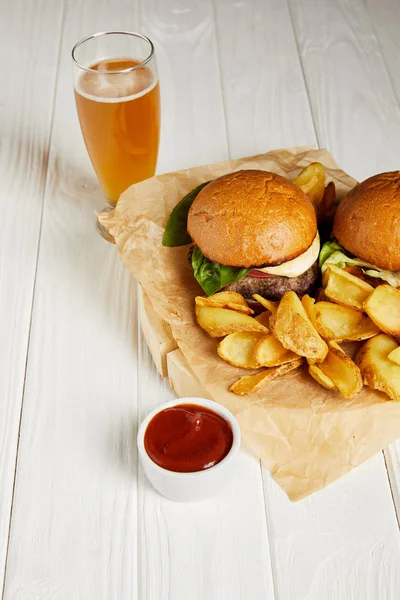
[
  {"x": 385, "y": 16},
  {"x": 355, "y": 110},
  {"x": 27, "y": 82},
  {"x": 265, "y": 98},
  {"x": 342, "y": 542},
  {"x": 219, "y": 548},
  {"x": 192, "y": 122},
  {"x": 74, "y": 524},
  {"x": 339, "y": 543}
]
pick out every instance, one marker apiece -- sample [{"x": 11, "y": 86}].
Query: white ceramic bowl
[{"x": 190, "y": 487}]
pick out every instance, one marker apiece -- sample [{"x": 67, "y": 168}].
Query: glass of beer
[{"x": 118, "y": 102}]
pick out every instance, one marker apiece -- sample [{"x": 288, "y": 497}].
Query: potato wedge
[
  {"x": 294, "y": 329},
  {"x": 269, "y": 352},
  {"x": 312, "y": 181},
  {"x": 394, "y": 355},
  {"x": 344, "y": 288},
  {"x": 222, "y": 321},
  {"x": 377, "y": 370},
  {"x": 263, "y": 318},
  {"x": 309, "y": 306},
  {"x": 238, "y": 349},
  {"x": 231, "y": 300},
  {"x": 320, "y": 377},
  {"x": 268, "y": 304},
  {"x": 342, "y": 371},
  {"x": 248, "y": 384},
  {"x": 342, "y": 323},
  {"x": 326, "y": 208},
  {"x": 383, "y": 307}
]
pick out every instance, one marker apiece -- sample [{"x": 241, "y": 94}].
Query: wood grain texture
[
  {"x": 73, "y": 532},
  {"x": 342, "y": 542},
  {"x": 265, "y": 98},
  {"x": 355, "y": 110},
  {"x": 385, "y": 17},
  {"x": 27, "y": 86},
  {"x": 339, "y": 543},
  {"x": 193, "y": 122}
]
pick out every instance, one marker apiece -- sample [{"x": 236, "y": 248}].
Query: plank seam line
[
  {"x": 379, "y": 47},
  {"x": 45, "y": 189},
  {"x": 139, "y": 301},
  {"x": 310, "y": 104},
  {"x": 389, "y": 467},
  {"x": 272, "y": 558},
  {"x": 221, "y": 85}
]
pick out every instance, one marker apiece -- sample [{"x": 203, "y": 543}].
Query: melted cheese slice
[{"x": 299, "y": 265}]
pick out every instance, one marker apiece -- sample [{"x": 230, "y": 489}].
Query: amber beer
[{"x": 118, "y": 106}]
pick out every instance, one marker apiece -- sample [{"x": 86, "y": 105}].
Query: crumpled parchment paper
[{"x": 305, "y": 435}]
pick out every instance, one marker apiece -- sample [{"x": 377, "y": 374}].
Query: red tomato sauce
[{"x": 187, "y": 438}]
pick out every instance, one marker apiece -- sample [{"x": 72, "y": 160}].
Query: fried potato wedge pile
[
  {"x": 357, "y": 312},
  {"x": 247, "y": 341}
]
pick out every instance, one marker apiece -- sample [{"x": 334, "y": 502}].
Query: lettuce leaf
[
  {"x": 332, "y": 254},
  {"x": 213, "y": 276},
  {"x": 391, "y": 277},
  {"x": 327, "y": 249},
  {"x": 175, "y": 233}
]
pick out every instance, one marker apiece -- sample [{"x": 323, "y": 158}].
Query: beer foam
[{"x": 114, "y": 86}]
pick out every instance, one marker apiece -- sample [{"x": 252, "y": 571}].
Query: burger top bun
[
  {"x": 367, "y": 221},
  {"x": 252, "y": 219}
]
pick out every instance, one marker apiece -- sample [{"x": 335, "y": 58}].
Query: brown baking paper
[{"x": 305, "y": 435}]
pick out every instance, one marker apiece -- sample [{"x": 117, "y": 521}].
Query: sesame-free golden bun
[
  {"x": 252, "y": 218},
  {"x": 367, "y": 221}
]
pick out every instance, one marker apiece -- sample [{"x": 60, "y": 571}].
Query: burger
[
  {"x": 253, "y": 232},
  {"x": 366, "y": 231}
]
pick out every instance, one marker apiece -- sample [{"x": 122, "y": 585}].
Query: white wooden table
[{"x": 77, "y": 518}]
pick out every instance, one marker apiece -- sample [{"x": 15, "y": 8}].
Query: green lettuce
[
  {"x": 213, "y": 276},
  {"x": 175, "y": 233},
  {"x": 332, "y": 253},
  {"x": 327, "y": 249}
]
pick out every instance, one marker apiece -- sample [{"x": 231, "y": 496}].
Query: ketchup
[{"x": 187, "y": 438}]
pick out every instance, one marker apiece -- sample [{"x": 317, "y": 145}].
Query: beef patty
[{"x": 274, "y": 287}]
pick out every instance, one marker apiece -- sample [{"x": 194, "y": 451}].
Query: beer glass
[{"x": 118, "y": 102}]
